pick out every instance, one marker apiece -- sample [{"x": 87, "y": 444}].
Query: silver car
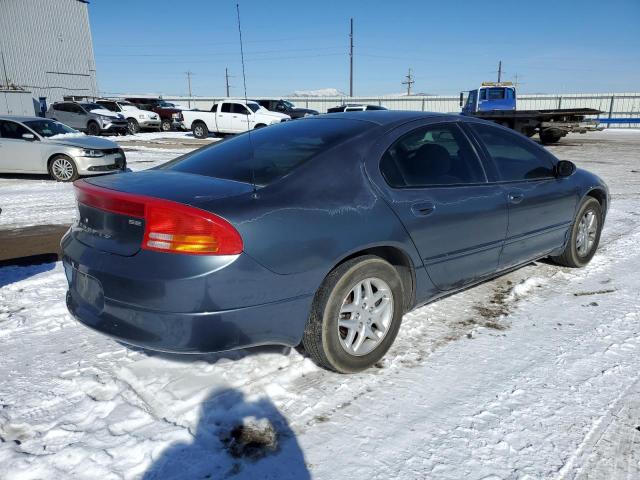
[
  {"x": 88, "y": 117},
  {"x": 40, "y": 145}
]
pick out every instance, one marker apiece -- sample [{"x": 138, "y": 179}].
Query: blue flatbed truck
[{"x": 496, "y": 101}]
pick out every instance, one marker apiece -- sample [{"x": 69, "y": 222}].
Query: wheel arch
[
  {"x": 400, "y": 260},
  {"x": 600, "y": 195}
]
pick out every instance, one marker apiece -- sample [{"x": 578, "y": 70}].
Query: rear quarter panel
[{"x": 320, "y": 214}]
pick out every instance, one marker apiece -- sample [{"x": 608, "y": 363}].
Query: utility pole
[
  {"x": 408, "y": 82},
  {"x": 4, "y": 70},
  {"x": 351, "y": 60},
  {"x": 499, "y": 71},
  {"x": 189, "y": 73},
  {"x": 515, "y": 79},
  {"x": 226, "y": 78}
]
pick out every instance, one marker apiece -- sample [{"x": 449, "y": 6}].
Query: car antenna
[{"x": 246, "y": 101}]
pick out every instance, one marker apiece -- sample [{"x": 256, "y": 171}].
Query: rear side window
[
  {"x": 12, "y": 130},
  {"x": 267, "y": 154},
  {"x": 226, "y": 108},
  {"x": 433, "y": 155},
  {"x": 515, "y": 157}
]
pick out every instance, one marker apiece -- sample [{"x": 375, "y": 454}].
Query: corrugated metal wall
[
  {"x": 47, "y": 47},
  {"x": 619, "y": 105}
]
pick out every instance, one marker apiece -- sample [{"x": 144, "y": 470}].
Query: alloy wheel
[
  {"x": 62, "y": 169},
  {"x": 365, "y": 316},
  {"x": 587, "y": 231}
]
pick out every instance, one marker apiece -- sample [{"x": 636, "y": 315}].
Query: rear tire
[
  {"x": 547, "y": 138},
  {"x": 200, "y": 130},
  {"x": 93, "y": 129},
  {"x": 63, "y": 169},
  {"x": 165, "y": 126},
  {"x": 133, "y": 126},
  {"x": 343, "y": 333},
  {"x": 585, "y": 235}
]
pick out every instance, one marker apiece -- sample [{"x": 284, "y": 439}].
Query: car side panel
[
  {"x": 538, "y": 224},
  {"x": 302, "y": 225}
]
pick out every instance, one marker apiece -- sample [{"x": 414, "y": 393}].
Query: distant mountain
[{"x": 321, "y": 92}]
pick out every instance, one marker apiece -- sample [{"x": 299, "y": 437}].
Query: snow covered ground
[{"x": 533, "y": 375}]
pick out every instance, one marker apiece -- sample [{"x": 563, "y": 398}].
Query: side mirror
[
  {"x": 461, "y": 98},
  {"x": 29, "y": 137},
  {"x": 565, "y": 168}
]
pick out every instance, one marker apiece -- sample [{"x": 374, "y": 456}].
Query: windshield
[
  {"x": 162, "y": 103},
  {"x": 253, "y": 106},
  {"x": 267, "y": 154},
  {"x": 289, "y": 104},
  {"x": 110, "y": 106},
  {"x": 91, "y": 106},
  {"x": 48, "y": 128}
]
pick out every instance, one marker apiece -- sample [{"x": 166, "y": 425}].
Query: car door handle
[
  {"x": 422, "y": 209},
  {"x": 515, "y": 197}
]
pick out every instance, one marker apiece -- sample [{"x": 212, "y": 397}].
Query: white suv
[{"x": 137, "y": 119}]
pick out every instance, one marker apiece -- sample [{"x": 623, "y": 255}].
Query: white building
[{"x": 46, "y": 50}]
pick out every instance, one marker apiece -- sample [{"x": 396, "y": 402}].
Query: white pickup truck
[{"x": 230, "y": 116}]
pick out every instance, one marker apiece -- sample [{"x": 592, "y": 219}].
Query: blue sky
[{"x": 146, "y": 46}]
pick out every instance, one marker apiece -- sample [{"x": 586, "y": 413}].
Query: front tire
[
  {"x": 165, "y": 126},
  {"x": 133, "y": 126},
  {"x": 200, "y": 130},
  {"x": 93, "y": 129},
  {"x": 585, "y": 235},
  {"x": 63, "y": 169},
  {"x": 356, "y": 315}
]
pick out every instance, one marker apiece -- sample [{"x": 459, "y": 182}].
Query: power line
[{"x": 409, "y": 82}]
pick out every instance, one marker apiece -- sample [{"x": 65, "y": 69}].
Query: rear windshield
[{"x": 267, "y": 154}]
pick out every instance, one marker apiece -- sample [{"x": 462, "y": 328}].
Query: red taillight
[{"x": 169, "y": 226}]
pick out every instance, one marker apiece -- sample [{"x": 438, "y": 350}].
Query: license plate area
[{"x": 85, "y": 288}]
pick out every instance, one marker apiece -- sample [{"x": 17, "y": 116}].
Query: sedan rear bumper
[
  {"x": 271, "y": 323},
  {"x": 180, "y": 303}
]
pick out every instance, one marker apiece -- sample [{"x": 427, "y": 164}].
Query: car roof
[
  {"x": 387, "y": 117},
  {"x": 17, "y": 118}
]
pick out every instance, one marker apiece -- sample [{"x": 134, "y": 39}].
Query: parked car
[
  {"x": 321, "y": 232},
  {"x": 88, "y": 117},
  {"x": 40, "y": 145},
  {"x": 230, "y": 116},
  {"x": 354, "y": 107},
  {"x": 170, "y": 116},
  {"x": 286, "y": 107},
  {"x": 137, "y": 119}
]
